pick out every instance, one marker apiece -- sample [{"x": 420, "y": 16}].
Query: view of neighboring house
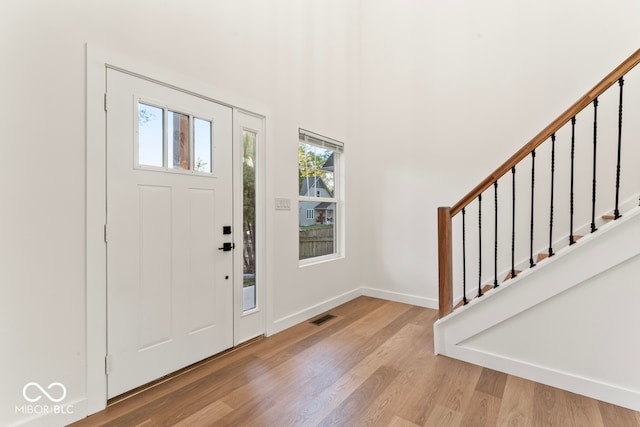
[{"x": 315, "y": 212}]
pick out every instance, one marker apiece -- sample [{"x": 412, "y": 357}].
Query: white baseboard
[
  {"x": 306, "y": 314},
  {"x": 399, "y": 297},
  {"x": 552, "y": 377}
]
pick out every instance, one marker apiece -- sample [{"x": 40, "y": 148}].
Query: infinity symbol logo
[{"x": 31, "y": 385}]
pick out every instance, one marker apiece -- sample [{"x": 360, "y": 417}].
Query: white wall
[
  {"x": 451, "y": 90},
  {"x": 294, "y": 62}
]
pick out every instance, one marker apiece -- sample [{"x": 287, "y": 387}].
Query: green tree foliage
[
  {"x": 311, "y": 161},
  {"x": 145, "y": 115},
  {"x": 249, "y": 200},
  {"x": 200, "y": 165}
]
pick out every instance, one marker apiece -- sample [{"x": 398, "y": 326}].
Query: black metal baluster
[
  {"x": 553, "y": 168},
  {"x": 513, "y": 221},
  {"x": 573, "y": 153},
  {"x": 533, "y": 179},
  {"x": 616, "y": 211},
  {"x": 464, "y": 260},
  {"x": 495, "y": 245},
  {"x": 595, "y": 144},
  {"x": 480, "y": 245}
]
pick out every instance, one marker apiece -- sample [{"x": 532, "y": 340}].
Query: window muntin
[{"x": 319, "y": 196}]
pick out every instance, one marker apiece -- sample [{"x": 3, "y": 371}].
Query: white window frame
[{"x": 311, "y": 138}]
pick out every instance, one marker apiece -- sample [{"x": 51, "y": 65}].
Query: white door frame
[{"x": 97, "y": 62}]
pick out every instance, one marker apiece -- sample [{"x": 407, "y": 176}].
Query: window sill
[{"x": 319, "y": 260}]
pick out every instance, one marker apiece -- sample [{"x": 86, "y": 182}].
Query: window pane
[
  {"x": 202, "y": 144},
  {"x": 248, "y": 219},
  {"x": 304, "y": 153},
  {"x": 316, "y": 171},
  {"x": 326, "y": 171},
  {"x": 150, "y": 131},
  {"x": 178, "y": 149},
  {"x": 317, "y": 234}
]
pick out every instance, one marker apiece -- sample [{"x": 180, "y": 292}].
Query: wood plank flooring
[{"x": 373, "y": 365}]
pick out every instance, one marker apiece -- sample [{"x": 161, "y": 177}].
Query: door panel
[
  {"x": 154, "y": 297},
  {"x": 201, "y": 234},
  {"x": 169, "y": 288}
]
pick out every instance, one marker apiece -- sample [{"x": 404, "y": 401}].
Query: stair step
[
  {"x": 541, "y": 256},
  {"x": 609, "y": 217},
  {"x": 509, "y": 275},
  {"x": 485, "y": 289}
]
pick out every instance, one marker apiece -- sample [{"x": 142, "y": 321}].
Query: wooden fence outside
[{"x": 316, "y": 242}]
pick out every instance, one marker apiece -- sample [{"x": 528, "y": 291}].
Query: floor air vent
[{"x": 320, "y": 320}]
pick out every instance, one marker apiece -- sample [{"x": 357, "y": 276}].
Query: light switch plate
[{"x": 283, "y": 204}]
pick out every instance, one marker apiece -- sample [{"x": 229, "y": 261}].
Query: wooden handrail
[{"x": 546, "y": 133}]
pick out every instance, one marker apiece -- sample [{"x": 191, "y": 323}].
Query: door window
[{"x": 173, "y": 141}]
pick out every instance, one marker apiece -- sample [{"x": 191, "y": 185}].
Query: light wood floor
[{"x": 373, "y": 364}]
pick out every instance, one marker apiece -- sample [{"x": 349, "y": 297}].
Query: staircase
[{"x": 557, "y": 310}]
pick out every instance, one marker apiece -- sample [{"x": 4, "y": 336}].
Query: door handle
[{"x": 227, "y": 246}]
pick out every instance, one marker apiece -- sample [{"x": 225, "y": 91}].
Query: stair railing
[{"x": 446, "y": 214}]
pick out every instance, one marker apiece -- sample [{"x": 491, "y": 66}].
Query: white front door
[{"x": 169, "y": 202}]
